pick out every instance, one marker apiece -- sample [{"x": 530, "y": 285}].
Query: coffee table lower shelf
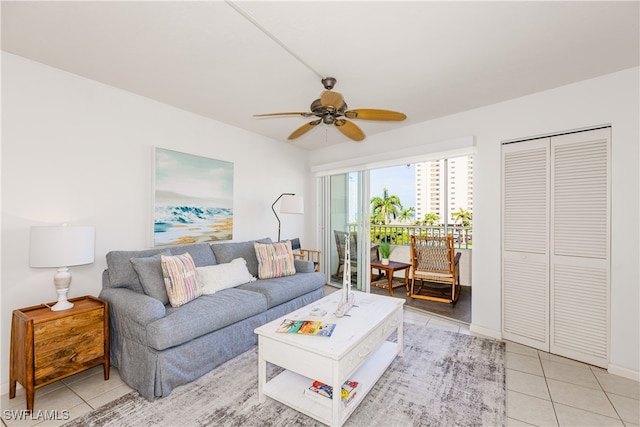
[{"x": 288, "y": 387}]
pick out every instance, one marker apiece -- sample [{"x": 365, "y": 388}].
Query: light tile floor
[{"x": 542, "y": 390}]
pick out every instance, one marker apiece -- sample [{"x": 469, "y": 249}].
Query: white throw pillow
[{"x": 217, "y": 277}]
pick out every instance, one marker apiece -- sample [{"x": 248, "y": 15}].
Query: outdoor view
[
  {"x": 431, "y": 198},
  {"x": 434, "y": 197}
]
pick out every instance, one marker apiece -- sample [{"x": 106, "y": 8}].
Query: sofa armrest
[
  {"x": 125, "y": 303},
  {"x": 304, "y": 266}
]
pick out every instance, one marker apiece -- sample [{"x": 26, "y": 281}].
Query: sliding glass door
[
  {"x": 348, "y": 216},
  {"x": 432, "y": 196}
]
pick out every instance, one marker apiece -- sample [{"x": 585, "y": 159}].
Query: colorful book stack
[
  {"x": 307, "y": 327},
  {"x": 324, "y": 393}
]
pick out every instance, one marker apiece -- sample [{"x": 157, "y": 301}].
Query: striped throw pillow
[
  {"x": 274, "y": 260},
  {"x": 180, "y": 279}
]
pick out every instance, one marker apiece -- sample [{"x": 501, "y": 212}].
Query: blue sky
[{"x": 400, "y": 180}]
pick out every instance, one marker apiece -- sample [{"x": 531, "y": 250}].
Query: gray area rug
[{"x": 444, "y": 378}]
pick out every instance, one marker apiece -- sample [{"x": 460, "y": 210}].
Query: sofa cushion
[
  {"x": 200, "y": 252},
  {"x": 121, "y": 272},
  {"x": 180, "y": 278},
  {"x": 282, "y": 289},
  {"x": 204, "y": 315},
  {"x": 228, "y": 251},
  {"x": 274, "y": 260},
  {"x": 217, "y": 277},
  {"x": 150, "y": 274}
]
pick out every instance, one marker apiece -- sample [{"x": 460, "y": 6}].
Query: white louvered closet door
[
  {"x": 555, "y": 244},
  {"x": 525, "y": 243},
  {"x": 579, "y": 272}
]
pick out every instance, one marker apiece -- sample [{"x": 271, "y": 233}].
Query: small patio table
[{"x": 389, "y": 269}]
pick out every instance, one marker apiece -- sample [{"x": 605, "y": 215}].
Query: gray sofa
[{"x": 157, "y": 347}]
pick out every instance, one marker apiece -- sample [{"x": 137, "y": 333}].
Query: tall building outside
[{"x": 434, "y": 177}]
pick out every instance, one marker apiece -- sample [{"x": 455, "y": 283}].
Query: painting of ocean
[{"x": 193, "y": 199}]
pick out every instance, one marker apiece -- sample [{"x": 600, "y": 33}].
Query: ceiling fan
[{"x": 331, "y": 109}]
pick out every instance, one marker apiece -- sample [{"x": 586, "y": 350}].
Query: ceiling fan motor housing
[{"x": 327, "y": 113}]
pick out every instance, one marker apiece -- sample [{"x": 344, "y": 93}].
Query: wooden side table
[
  {"x": 47, "y": 346},
  {"x": 389, "y": 269}
]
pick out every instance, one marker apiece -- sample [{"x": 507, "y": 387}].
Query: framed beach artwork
[{"x": 193, "y": 199}]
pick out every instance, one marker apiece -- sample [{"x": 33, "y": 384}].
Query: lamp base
[
  {"x": 62, "y": 280},
  {"x": 63, "y": 303}
]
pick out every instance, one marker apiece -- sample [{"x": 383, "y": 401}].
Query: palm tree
[
  {"x": 385, "y": 207},
  {"x": 464, "y": 216},
  {"x": 406, "y": 214},
  {"x": 431, "y": 219}
]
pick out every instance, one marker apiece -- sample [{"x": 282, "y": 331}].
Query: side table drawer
[{"x": 67, "y": 344}]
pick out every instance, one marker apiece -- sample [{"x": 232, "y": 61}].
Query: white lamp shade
[
  {"x": 292, "y": 204},
  {"x": 61, "y": 246}
]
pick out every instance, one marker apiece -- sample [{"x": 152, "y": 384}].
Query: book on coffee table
[
  {"x": 323, "y": 393},
  {"x": 307, "y": 327}
]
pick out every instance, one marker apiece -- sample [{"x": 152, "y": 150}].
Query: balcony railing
[{"x": 401, "y": 234}]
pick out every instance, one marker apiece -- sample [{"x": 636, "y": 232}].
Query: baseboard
[
  {"x": 624, "y": 372},
  {"x": 481, "y": 330}
]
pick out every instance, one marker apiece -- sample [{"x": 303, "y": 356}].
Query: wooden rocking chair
[{"x": 433, "y": 259}]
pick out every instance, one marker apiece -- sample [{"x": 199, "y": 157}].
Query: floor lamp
[{"x": 291, "y": 204}]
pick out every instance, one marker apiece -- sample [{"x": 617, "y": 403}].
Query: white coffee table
[{"x": 358, "y": 350}]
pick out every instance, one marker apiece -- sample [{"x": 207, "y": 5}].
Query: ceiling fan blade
[
  {"x": 373, "y": 114},
  {"x": 350, "y": 130},
  {"x": 304, "y": 129},
  {"x": 329, "y": 98},
  {"x": 293, "y": 113}
]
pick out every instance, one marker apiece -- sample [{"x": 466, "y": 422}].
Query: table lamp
[{"x": 61, "y": 247}]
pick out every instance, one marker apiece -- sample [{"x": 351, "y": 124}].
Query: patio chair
[
  {"x": 340, "y": 237},
  {"x": 306, "y": 254},
  {"x": 434, "y": 261}
]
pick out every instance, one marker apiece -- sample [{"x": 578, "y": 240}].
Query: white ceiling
[{"x": 426, "y": 59}]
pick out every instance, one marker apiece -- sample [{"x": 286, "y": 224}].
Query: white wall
[
  {"x": 77, "y": 151},
  {"x": 611, "y": 99}
]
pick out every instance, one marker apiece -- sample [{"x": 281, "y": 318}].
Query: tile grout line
[
  {"x": 607, "y": 396},
  {"x": 544, "y": 375},
  {"x": 578, "y": 385}
]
